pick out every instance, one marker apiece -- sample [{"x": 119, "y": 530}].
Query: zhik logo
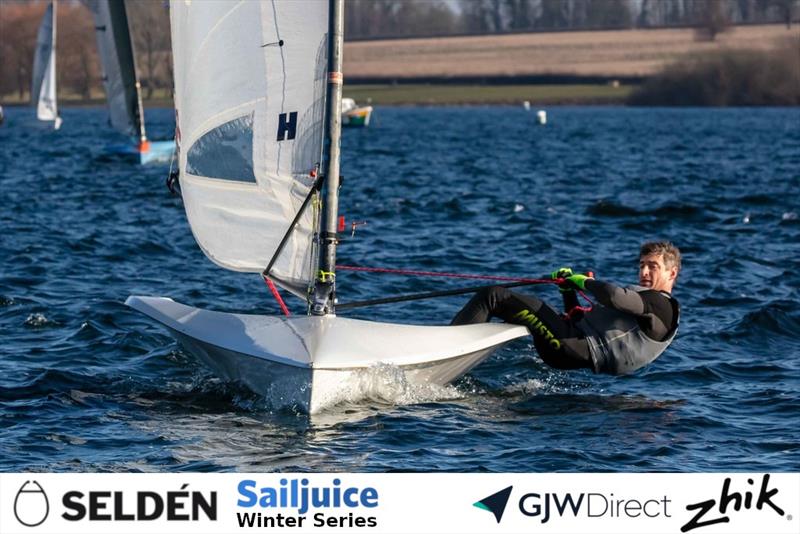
[
  {"x": 734, "y": 499},
  {"x": 495, "y": 503},
  {"x": 31, "y": 506}
]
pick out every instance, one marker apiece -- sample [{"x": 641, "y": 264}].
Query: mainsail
[
  {"x": 115, "y": 48},
  {"x": 43, "y": 89},
  {"x": 250, "y": 101}
]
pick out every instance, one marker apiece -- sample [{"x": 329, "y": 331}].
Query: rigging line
[
  {"x": 444, "y": 274},
  {"x": 434, "y": 294},
  {"x": 173, "y": 178},
  {"x": 277, "y": 295},
  {"x": 314, "y": 188}
]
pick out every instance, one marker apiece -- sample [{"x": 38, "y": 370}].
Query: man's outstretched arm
[{"x": 655, "y": 309}]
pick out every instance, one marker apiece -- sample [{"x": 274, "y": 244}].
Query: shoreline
[{"x": 429, "y": 94}]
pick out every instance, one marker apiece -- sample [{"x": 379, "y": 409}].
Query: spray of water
[{"x": 388, "y": 384}]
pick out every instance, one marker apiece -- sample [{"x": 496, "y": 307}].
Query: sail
[
  {"x": 250, "y": 101},
  {"x": 115, "y": 48},
  {"x": 43, "y": 89}
]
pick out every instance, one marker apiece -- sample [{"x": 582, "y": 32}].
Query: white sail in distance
[
  {"x": 43, "y": 89},
  {"x": 250, "y": 101},
  {"x": 120, "y": 81}
]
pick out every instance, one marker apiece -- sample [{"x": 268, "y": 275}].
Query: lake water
[{"x": 87, "y": 384}]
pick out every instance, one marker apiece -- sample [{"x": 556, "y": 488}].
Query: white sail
[
  {"x": 115, "y": 48},
  {"x": 250, "y": 99},
  {"x": 43, "y": 90}
]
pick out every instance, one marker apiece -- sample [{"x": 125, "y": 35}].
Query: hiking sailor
[{"x": 625, "y": 330}]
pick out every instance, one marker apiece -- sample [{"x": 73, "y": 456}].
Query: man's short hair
[{"x": 668, "y": 251}]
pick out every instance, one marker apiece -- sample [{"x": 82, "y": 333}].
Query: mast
[
  {"x": 53, "y": 54},
  {"x": 323, "y": 299}
]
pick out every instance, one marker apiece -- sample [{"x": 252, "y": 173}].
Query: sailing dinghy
[
  {"x": 355, "y": 115},
  {"x": 43, "y": 87},
  {"x": 121, "y": 83},
  {"x": 258, "y": 100}
]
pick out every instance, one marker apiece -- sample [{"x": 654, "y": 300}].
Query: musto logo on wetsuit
[{"x": 536, "y": 326}]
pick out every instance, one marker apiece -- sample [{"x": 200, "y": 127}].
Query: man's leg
[{"x": 557, "y": 341}]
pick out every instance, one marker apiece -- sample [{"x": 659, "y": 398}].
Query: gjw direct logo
[
  {"x": 548, "y": 505},
  {"x": 32, "y": 505},
  {"x": 495, "y": 503}
]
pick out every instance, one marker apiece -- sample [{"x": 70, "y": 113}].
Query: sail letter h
[{"x": 287, "y": 126}]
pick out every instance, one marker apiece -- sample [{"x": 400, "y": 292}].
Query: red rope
[
  {"x": 584, "y": 309},
  {"x": 277, "y": 296}
]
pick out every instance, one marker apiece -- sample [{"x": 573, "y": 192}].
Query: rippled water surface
[{"x": 88, "y": 384}]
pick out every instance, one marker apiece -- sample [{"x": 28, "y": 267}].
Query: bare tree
[
  {"x": 786, "y": 8},
  {"x": 711, "y": 18},
  {"x": 520, "y": 13},
  {"x": 19, "y": 23},
  {"x": 554, "y": 15},
  {"x": 497, "y": 18},
  {"x": 476, "y": 17},
  {"x": 608, "y": 14},
  {"x": 424, "y": 18},
  {"x": 149, "y": 26},
  {"x": 77, "y": 54}
]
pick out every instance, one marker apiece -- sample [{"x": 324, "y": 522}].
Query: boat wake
[{"x": 388, "y": 384}]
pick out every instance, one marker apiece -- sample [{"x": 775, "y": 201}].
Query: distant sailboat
[
  {"x": 259, "y": 174},
  {"x": 123, "y": 90},
  {"x": 355, "y": 115},
  {"x": 43, "y": 87}
]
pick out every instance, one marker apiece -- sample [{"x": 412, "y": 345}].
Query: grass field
[
  {"x": 588, "y": 53},
  {"x": 429, "y": 94}
]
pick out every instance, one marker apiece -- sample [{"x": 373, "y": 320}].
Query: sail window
[{"x": 225, "y": 152}]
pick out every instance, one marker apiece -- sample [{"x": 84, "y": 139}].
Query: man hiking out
[{"x": 626, "y": 329}]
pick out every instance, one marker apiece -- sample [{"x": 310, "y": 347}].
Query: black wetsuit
[{"x": 558, "y": 340}]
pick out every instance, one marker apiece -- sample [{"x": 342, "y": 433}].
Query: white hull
[
  {"x": 315, "y": 362},
  {"x": 359, "y": 116}
]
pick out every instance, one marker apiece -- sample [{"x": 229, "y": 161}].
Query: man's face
[{"x": 654, "y": 274}]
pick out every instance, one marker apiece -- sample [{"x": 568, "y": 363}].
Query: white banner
[{"x": 197, "y": 503}]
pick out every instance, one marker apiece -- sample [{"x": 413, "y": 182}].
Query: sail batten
[{"x": 250, "y": 98}]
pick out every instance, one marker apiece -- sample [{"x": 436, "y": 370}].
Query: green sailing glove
[
  {"x": 577, "y": 281},
  {"x": 563, "y": 272}
]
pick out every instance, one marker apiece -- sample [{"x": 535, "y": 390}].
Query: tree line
[
  {"x": 77, "y": 61},
  {"x": 79, "y": 69},
  {"x": 370, "y": 19}
]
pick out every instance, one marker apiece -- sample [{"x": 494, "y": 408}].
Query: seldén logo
[
  {"x": 495, "y": 503},
  {"x": 31, "y": 506},
  {"x": 732, "y": 499}
]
